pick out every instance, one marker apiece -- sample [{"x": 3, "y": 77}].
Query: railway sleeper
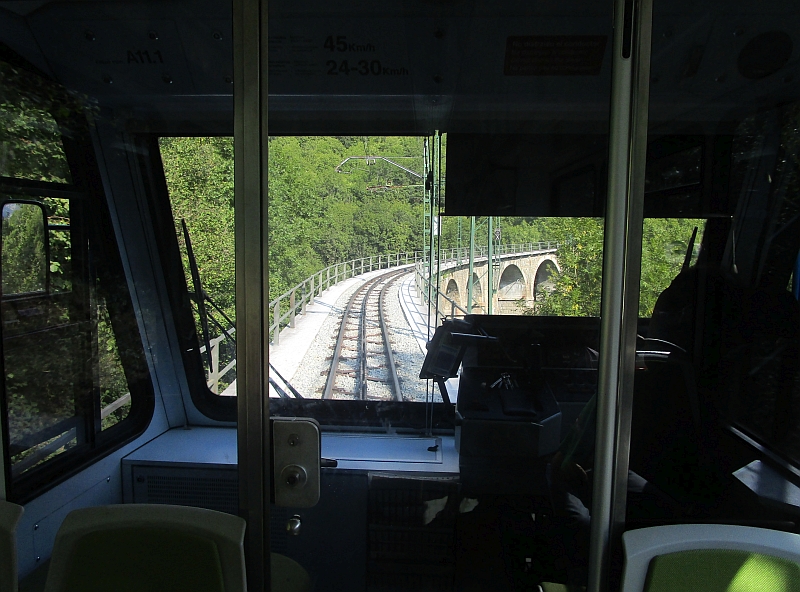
[
  {"x": 378, "y": 379},
  {"x": 342, "y": 391}
]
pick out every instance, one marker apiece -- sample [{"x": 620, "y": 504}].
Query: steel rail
[
  {"x": 362, "y": 375},
  {"x": 363, "y": 371},
  {"x": 390, "y": 364},
  {"x": 337, "y": 348}
]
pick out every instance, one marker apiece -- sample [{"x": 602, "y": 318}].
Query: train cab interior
[{"x": 653, "y": 380}]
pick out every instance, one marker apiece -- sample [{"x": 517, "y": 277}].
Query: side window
[
  {"x": 668, "y": 246},
  {"x": 759, "y": 369},
  {"x": 76, "y": 383}
]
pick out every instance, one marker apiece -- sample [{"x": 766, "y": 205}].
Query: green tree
[
  {"x": 578, "y": 288},
  {"x": 329, "y": 203},
  {"x": 24, "y": 257},
  {"x": 32, "y": 114},
  {"x": 664, "y": 246},
  {"x": 199, "y": 173},
  {"x": 580, "y": 256}
]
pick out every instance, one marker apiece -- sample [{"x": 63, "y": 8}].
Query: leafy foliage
[
  {"x": 664, "y": 246},
  {"x": 580, "y": 256},
  {"x": 324, "y": 208},
  {"x": 320, "y": 213},
  {"x": 578, "y": 288},
  {"x": 24, "y": 257},
  {"x": 199, "y": 174},
  {"x": 30, "y": 136}
]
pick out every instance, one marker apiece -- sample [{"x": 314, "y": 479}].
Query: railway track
[{"x": 363, "y": 366}]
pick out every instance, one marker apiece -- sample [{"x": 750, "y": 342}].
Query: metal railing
[
  {"x": 66, "y": 435},
  {"x": 286, "y": 307},
  {"x": 460, "y": 254},
  {"x": 214, "y": 373},
  {"x": 293, "y": 302}
]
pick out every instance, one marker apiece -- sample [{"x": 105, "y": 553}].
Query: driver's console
[{"x": 514, "y": 370}]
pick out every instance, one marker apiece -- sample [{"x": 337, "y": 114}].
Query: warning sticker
[{"x": 555, "y": 55}]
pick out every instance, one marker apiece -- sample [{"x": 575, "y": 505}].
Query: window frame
[
  {"x": 100, "y": 246},
  {"x": 213, "y": 406}
]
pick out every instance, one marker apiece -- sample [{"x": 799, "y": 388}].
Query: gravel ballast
[{"x": 310, "y": 377}]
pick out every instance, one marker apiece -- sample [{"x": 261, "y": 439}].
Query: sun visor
[{"x": 524, "y": 175}]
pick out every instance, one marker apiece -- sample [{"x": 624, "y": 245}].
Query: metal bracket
[{"x": 296, "y": 447}]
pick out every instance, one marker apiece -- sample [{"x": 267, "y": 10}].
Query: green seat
[
  {"x": 722, "y": 570},
  {"x": 554, "y": 587},
  {"x": 9, "y": 518},
  {"x": 143, "y": 547},
  {"x": 710, "y": 558}
]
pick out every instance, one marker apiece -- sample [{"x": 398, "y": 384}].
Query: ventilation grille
[
  {"x": 215, "y": 489},
  {"x": 200, "y": 488},
  {"x": 278, "y": 537},
  {"x": 411, "y": 529}
]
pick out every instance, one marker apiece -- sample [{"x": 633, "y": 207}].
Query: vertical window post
[{"x": 621, "y": 270}]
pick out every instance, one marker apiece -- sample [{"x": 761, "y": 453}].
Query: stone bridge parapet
[{"x": 519, "y": 280}]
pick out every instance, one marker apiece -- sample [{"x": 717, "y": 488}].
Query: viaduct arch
[{"x": 519, "y": 281}]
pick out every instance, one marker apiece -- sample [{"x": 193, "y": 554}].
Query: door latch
[{"x": 296, "y": 451}]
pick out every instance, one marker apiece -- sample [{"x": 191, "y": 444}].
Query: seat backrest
[
  {"x": 148, "y": 547},
  {"x": 710, "y": 558},
  {"x": 9, "y": 518}
]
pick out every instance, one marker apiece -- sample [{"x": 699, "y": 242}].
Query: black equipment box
[{"x": 506, "y": 415}]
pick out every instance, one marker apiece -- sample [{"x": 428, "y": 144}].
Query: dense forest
[{"x": 334, "y": 199}]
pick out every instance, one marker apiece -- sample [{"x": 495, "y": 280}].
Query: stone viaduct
[{"x": 518, "y": 278}]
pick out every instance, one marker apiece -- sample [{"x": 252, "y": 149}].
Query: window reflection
[
  {"x": 30, "y": 138},
  {"x": 24, "y": 247}
]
